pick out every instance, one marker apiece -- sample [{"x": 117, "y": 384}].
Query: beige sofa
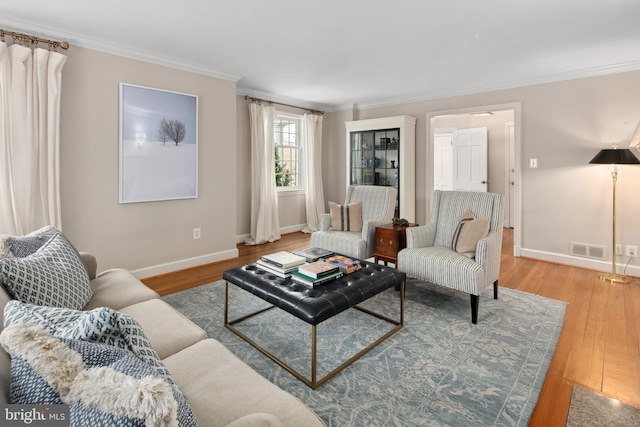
[{"x": 219, "y": 387}]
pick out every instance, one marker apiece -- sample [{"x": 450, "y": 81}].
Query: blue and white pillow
[
  {"x": 54, "y": 276},
  {"x": 22, "y": 246},
  {"x": 102, "y": 325},
  {"x": 102, "y": 385}
]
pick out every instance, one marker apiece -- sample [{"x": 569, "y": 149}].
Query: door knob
[{"x": 483, "y": 182}]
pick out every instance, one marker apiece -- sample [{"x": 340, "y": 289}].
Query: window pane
[{"x": 287, "y": 152}]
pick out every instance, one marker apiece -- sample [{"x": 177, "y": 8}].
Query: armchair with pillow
[
  {"x": 350, "y": 228},
  {"x": 461, "y": 247}
]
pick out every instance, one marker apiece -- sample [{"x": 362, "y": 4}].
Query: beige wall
[
  {"x": 564, "y": 124},
  {"x": 153, "y": 236}
]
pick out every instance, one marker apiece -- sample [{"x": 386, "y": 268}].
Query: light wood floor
[{"x": 599, "y": 347}]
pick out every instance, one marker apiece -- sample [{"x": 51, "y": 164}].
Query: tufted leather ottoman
[{"x": 315, "y": 305}]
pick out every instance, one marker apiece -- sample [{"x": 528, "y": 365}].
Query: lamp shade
[{"x": 613, "y": 156}]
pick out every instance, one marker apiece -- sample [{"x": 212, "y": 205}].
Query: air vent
[{"x": 587, "y": 251}]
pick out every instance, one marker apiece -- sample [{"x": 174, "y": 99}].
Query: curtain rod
[
  {"x": 33, "y": 39},
  {"x": 280, "y": 103}
]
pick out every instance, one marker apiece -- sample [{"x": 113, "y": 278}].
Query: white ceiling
[{"x": 333, "y": 54}]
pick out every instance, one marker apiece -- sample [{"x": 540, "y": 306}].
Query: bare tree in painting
[
  {"x": 162, "y": 131},
  {"x": 172, "y": 129}
]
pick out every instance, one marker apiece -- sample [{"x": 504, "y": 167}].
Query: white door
[
  {"x": 443, "y": 161},
  {"x": 470, "y": 159}
]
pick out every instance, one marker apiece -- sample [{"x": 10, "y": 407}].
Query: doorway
[{"x": 504, "y": 158}]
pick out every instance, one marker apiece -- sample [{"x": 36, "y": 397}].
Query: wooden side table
[{"x": 390, "y": 239}]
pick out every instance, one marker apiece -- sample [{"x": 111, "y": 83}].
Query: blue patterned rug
[{"x": 438, "y": 370}]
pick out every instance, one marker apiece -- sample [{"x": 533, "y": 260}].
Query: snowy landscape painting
[{"x": 158, "y": 144}]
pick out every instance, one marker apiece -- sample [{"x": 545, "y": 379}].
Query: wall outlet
[
  {"x": 196, "y": 233},
  {"x": 533, "y": 163},
  {"x": 632, "y": 251},
  {"x": 618, "y": 249}
]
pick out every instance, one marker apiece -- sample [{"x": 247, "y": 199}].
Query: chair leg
[
  {"x": 495, "y": 290},
  {"x": 475, "y": 302}
]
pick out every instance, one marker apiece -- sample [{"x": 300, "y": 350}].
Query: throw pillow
[
  {"x": 346, "y": 218},
  {"x": 22, "y": 246},
  {"x": 102, "y": 325},
  {"x": 102, "y": 385},
  {"x": 54, "y": 276},
  {"x": 467, "y": 234}
]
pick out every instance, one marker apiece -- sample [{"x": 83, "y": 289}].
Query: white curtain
[
  {"x": 265, "y": 224},
  {"x": 30, "y": 84},
  {"x": 312, "y": 154}
]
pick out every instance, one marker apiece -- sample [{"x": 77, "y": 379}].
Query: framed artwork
[{"x": 158, "y": 144}]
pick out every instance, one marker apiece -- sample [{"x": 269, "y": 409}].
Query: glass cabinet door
[{"x": 375, "y": 158}]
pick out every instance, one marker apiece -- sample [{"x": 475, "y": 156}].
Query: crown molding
[
  {"x": 549, "y": 78},
  {"x": 114, "y": 48},
  {"x": 283, "y": 99},
  {"x": 120, "y": 50}
]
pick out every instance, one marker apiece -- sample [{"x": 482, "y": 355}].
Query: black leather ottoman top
[{"x": 315, "y": 305}]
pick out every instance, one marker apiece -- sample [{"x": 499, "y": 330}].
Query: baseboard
[
  {"x": 592, "y": 264},
  {"x": 169, "y": 267},
  {"x": 291, "y": 229}
]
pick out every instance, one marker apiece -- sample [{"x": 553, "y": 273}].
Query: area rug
[
  {"x": 589, "y": 408},
  {"x": 440, "y": 369}
]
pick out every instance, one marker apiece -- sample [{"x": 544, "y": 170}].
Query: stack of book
[
  {"x": 281, "y": 264},
  {"x": 313, "y": 254},
  {"x": 316, "y": 273},
  {"x": 346, "y": 265}
]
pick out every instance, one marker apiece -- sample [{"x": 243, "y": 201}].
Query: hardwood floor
[{"x": 599, "y": 347}]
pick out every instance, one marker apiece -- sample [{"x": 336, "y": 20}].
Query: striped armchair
[
  {"x": 378, "y": 206},
  {"x": 429, "y": 255}
]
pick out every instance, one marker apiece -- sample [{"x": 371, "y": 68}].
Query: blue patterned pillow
[
  {"x": 102, "y": 325},
  {"x": 54, "y": 276},
  {"x": 22, "y": 246},
  {"x": 102, "y": 385}
]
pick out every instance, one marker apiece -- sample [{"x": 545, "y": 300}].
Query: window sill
[{"x": 291, "y": 192}]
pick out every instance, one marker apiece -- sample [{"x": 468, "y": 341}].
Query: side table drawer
[{"x": 387, "y": 242}]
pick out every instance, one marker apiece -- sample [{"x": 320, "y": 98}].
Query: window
[{"x": 287, "y": 152}]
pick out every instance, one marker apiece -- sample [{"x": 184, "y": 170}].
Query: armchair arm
[
  {"x": 325, "y": 221},
  {"x": 421, "y": 236},
  {"x": 90, "y": 264},
  {"x": 488, "y": 254},
  {"x": 369, "y": 228}
]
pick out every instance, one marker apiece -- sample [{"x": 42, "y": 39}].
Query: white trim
[
  {"x": 241, "y": 238},
  {"x": 116, "y": 49},
  {"x": 289, "y": 191},
  {"x": 156, "y": 270},
  {"x": 549, "y": 78},
  {"x": 240, "y": 91},
  {"x": 632, "y": 270}
]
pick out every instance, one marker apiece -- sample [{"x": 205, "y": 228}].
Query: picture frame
[{"x": 158, "y": 144}]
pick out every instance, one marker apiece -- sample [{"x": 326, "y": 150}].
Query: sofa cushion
[
  {"x": 54, "y": 276},
  {"x": 346, "y": 218},
  {"x": 167, "y": 329},
  {"x": 221, "y": 388},
  {"x": 101, "y": 325},
  {"x": 103, "y": 385},
  {"x": 117, "y": 288},
  {"x": 257, "y": 419},
  {"x": 467, "y": 234}
]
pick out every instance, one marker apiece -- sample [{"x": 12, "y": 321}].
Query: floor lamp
[{"x": 615, "y": 157}]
